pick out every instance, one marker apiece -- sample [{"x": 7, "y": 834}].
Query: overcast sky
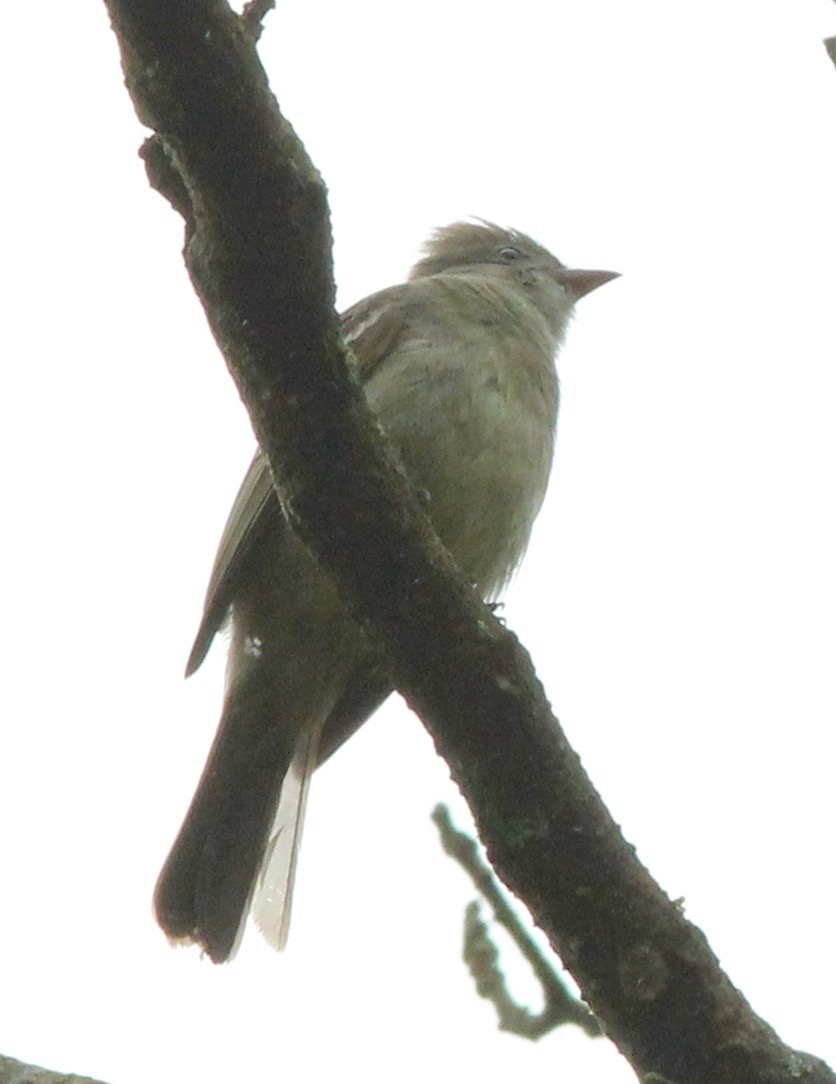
[{"x": 679, "y": 594}]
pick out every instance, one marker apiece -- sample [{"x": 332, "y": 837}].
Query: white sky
[{"x": 679, "y": 594}]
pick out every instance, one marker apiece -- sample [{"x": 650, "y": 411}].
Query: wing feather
[
  {"x": 372, "y": 328},
  {"x": 254, "y": 511}
]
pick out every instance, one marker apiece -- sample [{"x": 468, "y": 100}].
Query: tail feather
[
  {"x": 273, "y": 898},
  {"x": 205, "y": 888},
  {"x": 292, "y": 656}
]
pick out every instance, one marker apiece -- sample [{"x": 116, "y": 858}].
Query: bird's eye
[{"x": 508, "y": 253}]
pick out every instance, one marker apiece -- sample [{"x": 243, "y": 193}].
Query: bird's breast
[{"x": 473, "y": 416}]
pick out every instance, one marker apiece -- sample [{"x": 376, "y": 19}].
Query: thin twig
[
  {"x": 252, "y": 17},
  {"x": 482, "y": 957}
]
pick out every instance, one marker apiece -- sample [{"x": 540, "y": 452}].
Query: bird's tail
[
  {"x": 273, "y": 898},
  {"x": 207, "y": 885}
]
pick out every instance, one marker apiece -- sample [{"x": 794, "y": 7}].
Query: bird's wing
[
  {"x": 372, "y": 329},
  {"x": 374, "y": 326},
  {"x": 254, "y": 511}
]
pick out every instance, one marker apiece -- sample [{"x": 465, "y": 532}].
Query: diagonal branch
[{"x": 258, "y": 252}]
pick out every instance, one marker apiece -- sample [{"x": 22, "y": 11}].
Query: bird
[{"x": 458, "y": 364}]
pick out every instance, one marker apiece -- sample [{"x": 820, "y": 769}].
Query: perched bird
[{"x": 458, "y": 363}]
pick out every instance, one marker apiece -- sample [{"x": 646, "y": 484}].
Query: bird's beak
[{"x": 584, "y": 282}]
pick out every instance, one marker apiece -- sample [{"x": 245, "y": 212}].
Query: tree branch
[
  {"x": 17, "y": 1072},
  {"x": 258, "y": 251},
  {"x": 481, "y": 956}
]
